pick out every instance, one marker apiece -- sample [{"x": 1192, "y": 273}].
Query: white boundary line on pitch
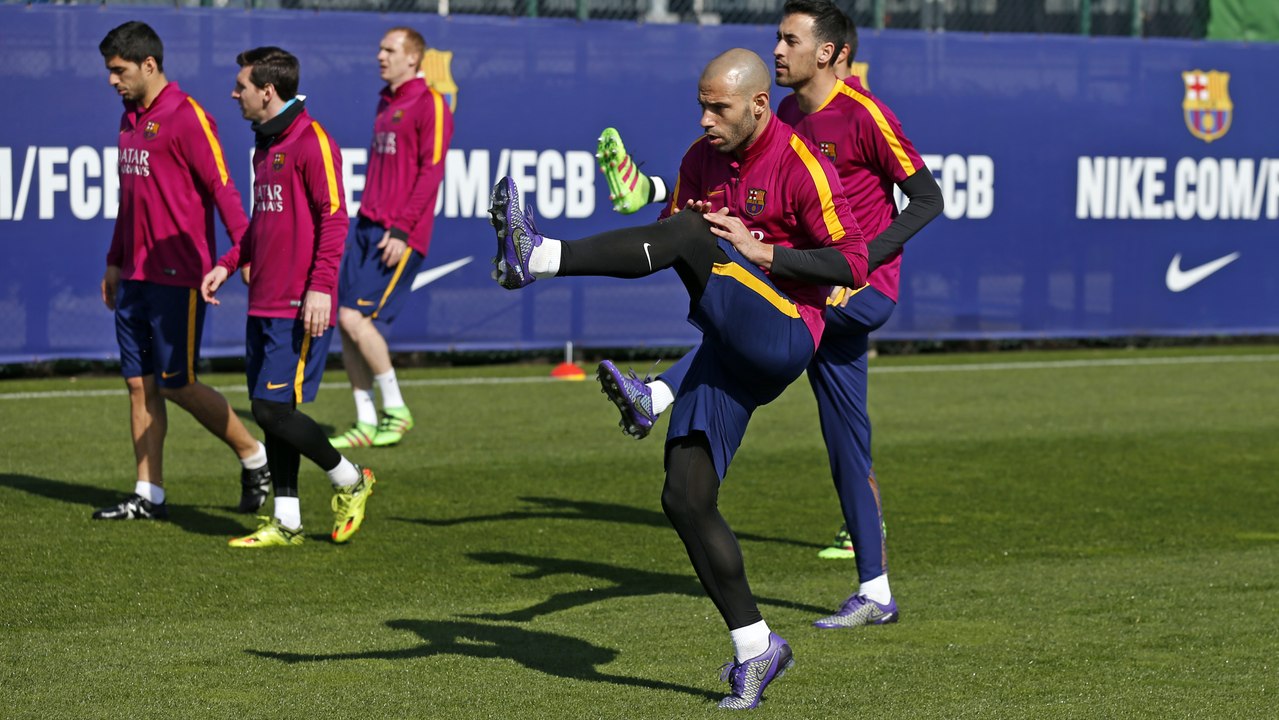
[
  {"x": 1055, "y": 364},
  {"x": 954, "y": 367}
]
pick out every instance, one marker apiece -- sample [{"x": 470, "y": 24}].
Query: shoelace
[
  {"x": 390, "y": 422},
  {"x": 733, "y": 673},
  {"x": 648, "y": 376},
  {"x": 638, "y": 393},
  {"x": 855, "y": 601}
]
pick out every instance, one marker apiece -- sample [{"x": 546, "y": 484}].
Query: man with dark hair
[
  {"x": 774, "y": 234},
  {"x": 294, "y": 243},
  {"x": 843, "y": 66},
  {"x": 389, "y": 239},
  {"x": 864, "y": 140},
  {"x": 172, "y": 176}
]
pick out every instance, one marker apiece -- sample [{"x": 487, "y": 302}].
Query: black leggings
[
  {"x": 289, "y": 435},
  {"x": 691, "y": 501},
  {"x": 683, "y": 241}
]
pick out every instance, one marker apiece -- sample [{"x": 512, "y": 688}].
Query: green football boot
[
  {"x": 348, "y": 505},
  {"x": 270, "y": 534},
  {"x": 841, "y": 549},
  {"x": 390, "y": 430},
  {"x": 628, "y": 188},
  {"x": 360, "y": 435}
]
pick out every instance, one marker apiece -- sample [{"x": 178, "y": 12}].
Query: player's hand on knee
[
  {"x": 734, "y": 230},
  {"x": 698, "y": 206}
]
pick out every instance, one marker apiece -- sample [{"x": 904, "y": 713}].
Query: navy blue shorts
[
  {"x": 158, "y": 328},
  {"x": 754, "y": 344},
  {"x": 284, "y": 363},
  {"x": 378, "y": 291}
]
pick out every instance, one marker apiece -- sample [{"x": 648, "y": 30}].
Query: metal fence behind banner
[{"x": 1134, "y": 18}]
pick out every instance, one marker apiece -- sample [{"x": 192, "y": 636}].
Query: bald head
[
  {"x": 740, "y": 71},
  {"x": 733, "y": 93}
]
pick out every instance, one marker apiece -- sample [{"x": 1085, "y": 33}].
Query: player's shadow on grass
[
  {"x": 191, "y": 518},
  {"x": 566, "y": 509},
  {"x": 622, "y": 582},
  {"x": 556, "y": 655}
]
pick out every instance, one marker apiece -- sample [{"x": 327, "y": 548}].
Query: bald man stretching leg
[{"x": 757, "y": 262}]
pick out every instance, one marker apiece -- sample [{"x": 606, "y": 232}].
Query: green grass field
[{"x": 1071, "y": 535}]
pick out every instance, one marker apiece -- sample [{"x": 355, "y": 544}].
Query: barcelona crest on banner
[
  {"x": 151, "y": 130},
  {"x": 277, "y": 161},
  {"x": 755, "y": 201},
  {"x": 437, "y": 70},
  {"x": 1207, "y": 106}
]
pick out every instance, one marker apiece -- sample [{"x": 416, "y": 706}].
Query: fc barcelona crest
[
  {"x": 277, "y": 161},
  {"x": 437, "y": 69},
  {"x": 755, "y": 201},
  {"x": 828, "y": 149},
  {"x": 151, "y": 130},
  {"x": 1207, "y": 107},
  {"x": 397, "y": 116}
]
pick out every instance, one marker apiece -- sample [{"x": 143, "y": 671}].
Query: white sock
[
  {"x": 750, "y": 641},
  {"x": 544, "y": 261},
  {"x": 659, "y": 189},
  {"x": 390, "y": 389},
  {"x": 876, "y": 590},
  {"x": 344, "y": 475},
  {"x": 365, "y": 410},
  {"x": 663, "y": 397},
  {"x": 289, "y": 512},
  {"x": 151, "y": 493},
  {"x": 256, "y": 460}
]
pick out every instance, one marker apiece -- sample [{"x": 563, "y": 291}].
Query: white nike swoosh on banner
[
  {"x": 1178, "y": 279},
  {"x": 649, "y": 257},
  {"x": 426, "y": 277}
]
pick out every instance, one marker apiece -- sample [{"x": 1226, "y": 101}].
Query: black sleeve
[
  {"x": 823, "y": 266},
  {"x": 925, "y": 204}
]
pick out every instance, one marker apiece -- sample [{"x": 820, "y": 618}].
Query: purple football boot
[
  {"x": 748, "y": 679},
  {"x": 516, "y": 237},
  {"x": 860, "y": 610},
  {"x": 632, "y": 398}
]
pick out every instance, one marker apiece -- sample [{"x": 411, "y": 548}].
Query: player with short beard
[
  {"x": 172, "y": 176},
  {"x": 774, "y": 233},
  {"x": 294, "y": 243}
]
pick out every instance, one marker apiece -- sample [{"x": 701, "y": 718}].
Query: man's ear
[{"x": 826, "y": 53}]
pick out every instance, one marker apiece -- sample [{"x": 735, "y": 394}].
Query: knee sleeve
[{"x": 270, "y": 415}]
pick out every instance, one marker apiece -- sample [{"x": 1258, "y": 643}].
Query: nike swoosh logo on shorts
[
  {"x": 276, "y": 386},
  {"x": 1178, "y": 280},
  {"x": 364, "y": 303},
  {"x": 650, "y": 259},
  {"x": 167, "y": 375}
]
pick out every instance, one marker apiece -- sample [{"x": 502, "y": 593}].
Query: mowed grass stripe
[{"x": 887, "y": 370}]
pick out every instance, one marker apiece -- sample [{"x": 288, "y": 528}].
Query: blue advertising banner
[{"x": 1093, "y": 187}]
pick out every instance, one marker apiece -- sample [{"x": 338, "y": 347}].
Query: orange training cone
[{"x": 568, "y": 370}]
